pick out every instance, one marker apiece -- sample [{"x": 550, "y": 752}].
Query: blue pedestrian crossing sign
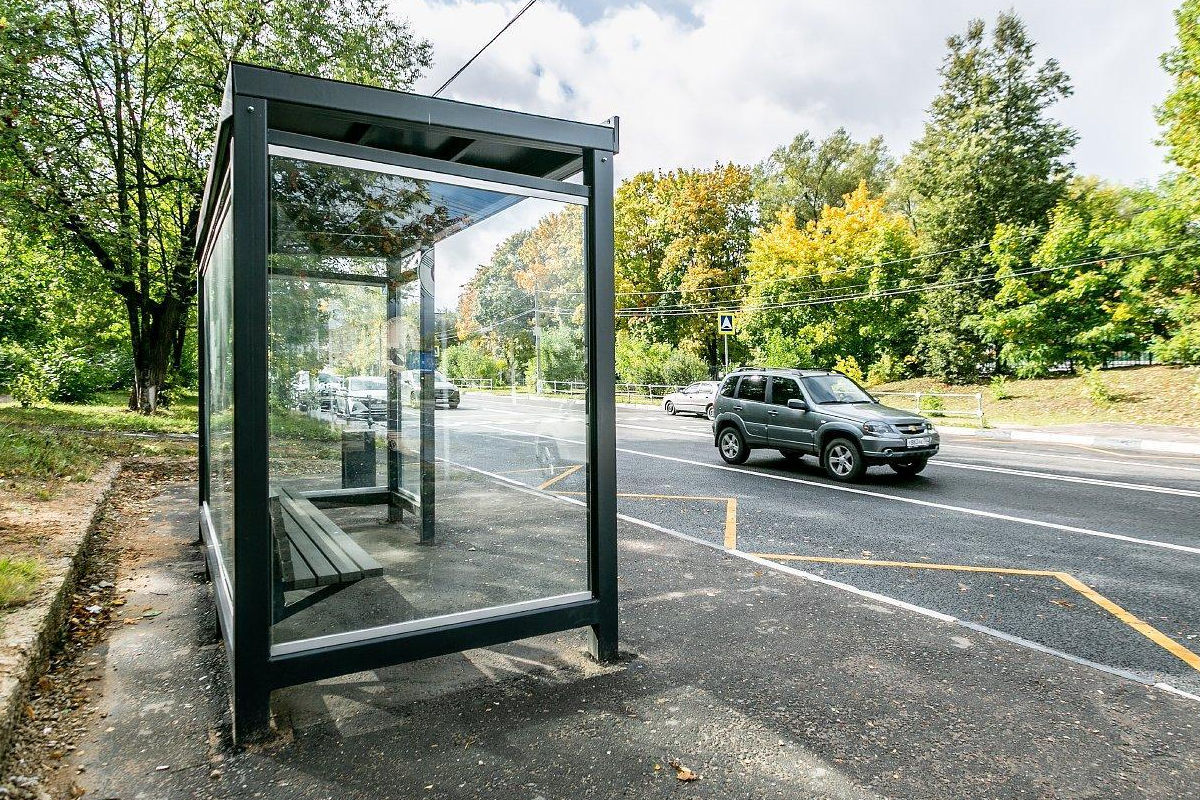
[{"x": 725, "y": 324}]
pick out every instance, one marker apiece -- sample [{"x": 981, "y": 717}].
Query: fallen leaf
[
  {"x": 1064, "y": 603},
  {"x": 151, "y": 613},
  {"x": 681, "y": 772}
]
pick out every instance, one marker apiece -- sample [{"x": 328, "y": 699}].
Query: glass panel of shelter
[{"x": 399, "y": 499}]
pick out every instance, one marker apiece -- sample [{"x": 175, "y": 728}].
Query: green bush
[
  {"x": 999, "y": 388},
  {"x": 848, "y": 366},
  {"x": 932, "y": 404},
  {"x": 885, "y": 370},
  {"x": 1095, "y": 389},
  {"x": 562, "y": 357},
  {"x": 469, "y": 360},
  {"x": 682, "y": 367},
  {"x": 641, "y": 361}
]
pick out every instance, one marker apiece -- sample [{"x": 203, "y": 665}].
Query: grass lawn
[
  {"x": 18, "y": 579},
  {"x": 43, "y": 447},
  {"x": 110, "y": 413},
  {"x": 1158, "y": 395}
]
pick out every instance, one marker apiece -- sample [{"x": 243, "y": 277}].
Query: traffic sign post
[{"x": 725, "y": 327}]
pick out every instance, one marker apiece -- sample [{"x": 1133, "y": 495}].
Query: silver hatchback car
[{"x": 695, "y": 398}]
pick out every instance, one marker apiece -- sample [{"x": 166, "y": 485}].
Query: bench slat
[
  {"x": 364, "y": 564},
  {"x": 317, "y": 528},
  {"x": 309, "y": 550},
  {"x": 302, "y": 576}
]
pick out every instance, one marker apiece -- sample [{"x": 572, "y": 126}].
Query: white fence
[
  {"x": 474, "y": 383},
  {"x": 646, "y": 391},
  {"x": 937, "y": 404}
]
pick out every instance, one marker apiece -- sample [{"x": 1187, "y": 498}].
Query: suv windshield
[
  {"x": 835, "y": 389},
  {"x": 367, "y": 384}
]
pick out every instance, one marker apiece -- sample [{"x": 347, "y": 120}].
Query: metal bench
[{"x": 312, "y": 552}]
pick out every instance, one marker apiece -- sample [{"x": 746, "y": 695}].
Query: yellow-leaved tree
[{"x": 837, "y": 288}]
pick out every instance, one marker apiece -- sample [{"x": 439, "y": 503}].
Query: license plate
[{"x": 920, "y": 441}]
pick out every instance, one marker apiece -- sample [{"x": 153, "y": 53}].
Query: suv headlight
[{"x": 877, "y": 428}]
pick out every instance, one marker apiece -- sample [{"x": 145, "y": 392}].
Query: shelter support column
[
  {"x": 601, "y": 441},
  {"x": 428, "y": 394}
]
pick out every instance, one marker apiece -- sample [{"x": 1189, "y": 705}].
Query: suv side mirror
[{"x": 797, "y": 404}]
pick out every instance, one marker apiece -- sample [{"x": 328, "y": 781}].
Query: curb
[
  {"x": 1048, "y": 437},
  {"x": 50, "y": 615}
]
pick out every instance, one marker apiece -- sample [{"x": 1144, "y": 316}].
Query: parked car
[
  {"x": 696, "y": 398},
  {"x": 444, "y": 392},
  {"x": 822, "y": 413},
  {"x": 327, "y": 387},
  {"x": 362, "y": 396}
]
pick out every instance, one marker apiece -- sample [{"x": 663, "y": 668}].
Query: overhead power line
[
  {"x": 471, "y": 60},
  {"x": 786, "y": 279},
  {"x": 733, "y": 308}
]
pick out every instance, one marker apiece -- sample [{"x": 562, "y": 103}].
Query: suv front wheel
[
  {"x": 907, "y": 468},
  {"x": 842, "y": 460},
  {"x": 732, "y": 446}
]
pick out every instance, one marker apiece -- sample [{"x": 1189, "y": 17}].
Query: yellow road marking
[
  {"x": 565, "y": 473},
  {"x": 731, "y": 524},
  {"x": 1144, "y": 628}
]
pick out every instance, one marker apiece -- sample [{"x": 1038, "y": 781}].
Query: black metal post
[
  {"x": 428, "y": 396},
  {"x": 395, "y": 366},
  {"x": 601, "y": 408},
  {"x": 202, "y": 400},
  {"x": 251, "y": 511}
]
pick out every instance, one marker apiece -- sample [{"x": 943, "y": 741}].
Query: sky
[{"x": 696, "y": 83}]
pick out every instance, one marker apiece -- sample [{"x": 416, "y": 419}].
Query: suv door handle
[
  {"x": 738, "y": 407},
  {"x": 772, "y": 413}
]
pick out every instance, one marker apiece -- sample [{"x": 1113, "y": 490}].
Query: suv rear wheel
[
  {"x": 842, "y": 460},
  {"x": 711, "y": 411},
  {"x": 732, "y": 446}
]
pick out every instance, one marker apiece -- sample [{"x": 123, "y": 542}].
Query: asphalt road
[{"x": 1092, "y": 553}]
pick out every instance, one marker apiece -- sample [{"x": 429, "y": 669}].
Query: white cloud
[{"x": 735, "y": 78}]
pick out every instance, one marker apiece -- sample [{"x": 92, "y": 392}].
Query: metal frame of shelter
[{"x": 265, "y": 112}]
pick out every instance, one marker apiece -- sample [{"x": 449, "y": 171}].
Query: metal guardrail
[
  {"x": 647, "y": 391},
  {"x": 933, "y": 404},
  {"x": 474, "y": 383},
  {"x": 563, "y": 387}
]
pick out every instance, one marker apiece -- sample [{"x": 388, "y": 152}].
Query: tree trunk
[{"x": 153, "y": 354}]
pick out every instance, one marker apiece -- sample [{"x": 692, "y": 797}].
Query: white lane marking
[
  {"x": 1069, "y": 457},
  {"x": 1053, "y": 476},
  {"x": 665, "y": 430},
  {"x": 845, "y": 587},
  {"x": 896, "y": 498}
]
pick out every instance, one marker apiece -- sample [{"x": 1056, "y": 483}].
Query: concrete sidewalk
[{"x": 761, "y": 683}]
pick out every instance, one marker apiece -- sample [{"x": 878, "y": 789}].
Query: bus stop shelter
[{"x": 357, "y": 508}]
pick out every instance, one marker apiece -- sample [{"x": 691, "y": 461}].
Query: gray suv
[{"x": 817, "y": 412}]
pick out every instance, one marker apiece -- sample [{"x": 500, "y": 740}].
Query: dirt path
[{"x": 64, "y": 707}]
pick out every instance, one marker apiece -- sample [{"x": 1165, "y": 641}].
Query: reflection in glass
[
  {"x": 218, "y": 300},
  {"x": 426, "y": 351}
]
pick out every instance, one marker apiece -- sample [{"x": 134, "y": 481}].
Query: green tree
[
  {"x": 990, "y": 154},
  {"x": 805, "y": 175},
  {"x": 1064, "y": 296},
  {"x": 794, "y": 316},
  {"x": 681, "y": 239},
  {"x": 1174, "y": 286},
  {"x": 108, "y": 110}
]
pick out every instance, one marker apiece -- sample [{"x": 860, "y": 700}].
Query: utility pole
[{"x": 537, "y": 340}]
